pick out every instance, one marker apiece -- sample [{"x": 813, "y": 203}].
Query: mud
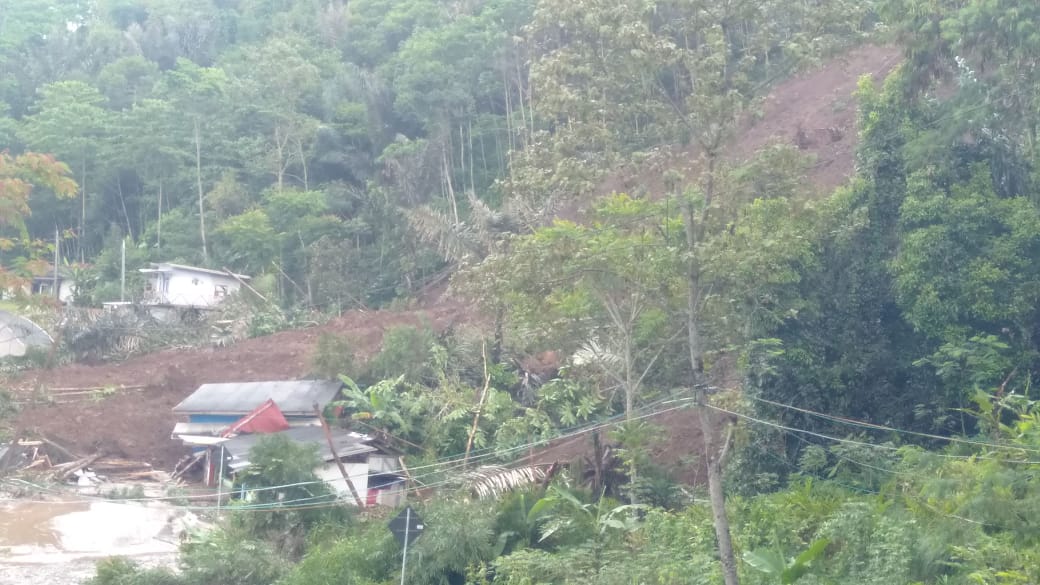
[{"x": 58, "y": 543}]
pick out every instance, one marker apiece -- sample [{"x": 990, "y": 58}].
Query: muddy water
[{"x": 58, "y": 543}]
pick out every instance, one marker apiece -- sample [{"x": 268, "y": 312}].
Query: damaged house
[{"x": 224, "y": 421}]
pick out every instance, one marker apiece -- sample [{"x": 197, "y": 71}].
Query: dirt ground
[{"x": 135, "y": 423}]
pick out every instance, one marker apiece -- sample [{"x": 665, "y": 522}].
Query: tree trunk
[
  {"x": 472, "y": 179},
  {"x": 303, "y": 164},
  {"x": 714, "y": 460},
  {"x": 451, "y": 189},
  {"x": 122, "y": 203},
  {"x": 630, "y": 391},
  {"x": 480, "y": 408},
  {"x": 280, "y": 164},
  {"x": 198, "y": 180}
]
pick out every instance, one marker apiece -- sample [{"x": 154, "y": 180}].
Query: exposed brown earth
[
  {"x": 814, "y": 111},
  {"x": 136, "y": 422}
]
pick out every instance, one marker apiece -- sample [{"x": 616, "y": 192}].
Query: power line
[
  {"x": 877, "y": 427},
  {"x": 862, "y": 443}
]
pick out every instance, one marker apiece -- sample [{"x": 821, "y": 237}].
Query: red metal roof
[{"x": 266, "y": 418}]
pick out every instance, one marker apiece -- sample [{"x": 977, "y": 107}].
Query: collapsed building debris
[{"x": 44, "y": 460}]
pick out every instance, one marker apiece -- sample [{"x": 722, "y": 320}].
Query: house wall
[
  {"x": 358, "y": 473},
  {"x": 391, "y": 496},
  {"x": 66, "y": 288},
  {"x": 382, "y": 463},
  {"x": 184, "y": 288}
]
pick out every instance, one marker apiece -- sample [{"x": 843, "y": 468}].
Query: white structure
[
  {"x": 18, "y": 334},
  {"x": 176, "y": 285},
  {"x": 44, "y": 285},
  {"x": 374, "y": 473}
]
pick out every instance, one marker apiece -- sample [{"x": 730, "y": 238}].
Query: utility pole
[
  {"x": 220, "y": 479},
  {"x": 122, "y": 273},
  {"x": 404, "y": 555},
  {"x": 57, "y": 251}
]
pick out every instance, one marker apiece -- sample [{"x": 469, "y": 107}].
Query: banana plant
[
  {"x": 379, "y": 405},
  {"x": 772, "y": 563}
]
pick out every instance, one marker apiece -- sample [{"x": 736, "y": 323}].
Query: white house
[
  {"x": 176, "y": 285},
  {"x": 44, "y": 285}
]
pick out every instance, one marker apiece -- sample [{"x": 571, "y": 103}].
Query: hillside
[
  {"x": 136, "y": 423},
  {"x": 814, "y": 111}
]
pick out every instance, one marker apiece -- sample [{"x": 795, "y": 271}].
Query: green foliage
[
  {"x": 786, "y": 572},
  {"x": 217, "y": 557},
  {"x": 282, "y": 474},
  {"x": 123, "y": 571},
  {"x": 411, "y": 352},
  {"x": 363, "y": 558},
  {"x": 450, "y": 546},
  {"x": 383, "y": 405},
  {"x": 231, "y": 558}
]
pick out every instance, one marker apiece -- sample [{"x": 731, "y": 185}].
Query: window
[
  {"x": 195, "y": 281},
  {"x": 220, "y": 291}
]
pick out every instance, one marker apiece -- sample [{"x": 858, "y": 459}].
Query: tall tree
[
  {"x": 69, "y": 121},
  {"x": 198, "y": 93},
  {"x": 19, "y": 175}
]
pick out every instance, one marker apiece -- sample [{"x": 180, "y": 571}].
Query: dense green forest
[{"x": 865, "y": 357}]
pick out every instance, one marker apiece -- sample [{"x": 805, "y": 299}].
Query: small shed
[
  {"x": 181, "y": 286},
  {"x": 18, "y": 334},
  {"x": 214, "y": 407}
]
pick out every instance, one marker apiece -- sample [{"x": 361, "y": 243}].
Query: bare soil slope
[{"x": 814, "y": 111}]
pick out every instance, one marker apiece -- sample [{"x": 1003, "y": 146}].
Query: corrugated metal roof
[
  {"x": 346, "y": 444},
  {"x": 170, "y": 266},
  {"x": 293, "y": 397}
]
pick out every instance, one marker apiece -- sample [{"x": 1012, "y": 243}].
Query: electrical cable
[{"x": 877, "y": 427}]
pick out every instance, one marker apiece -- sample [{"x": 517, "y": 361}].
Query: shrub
[
  {"x": 409, "y": 351},
  {"x": 276, "y": 461},
  {"x": 123, "y": 571},
  {"x": 230, "y": 558},
  {"x": 333, "y": 356},
  {"x": 368, "y": 556}
]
